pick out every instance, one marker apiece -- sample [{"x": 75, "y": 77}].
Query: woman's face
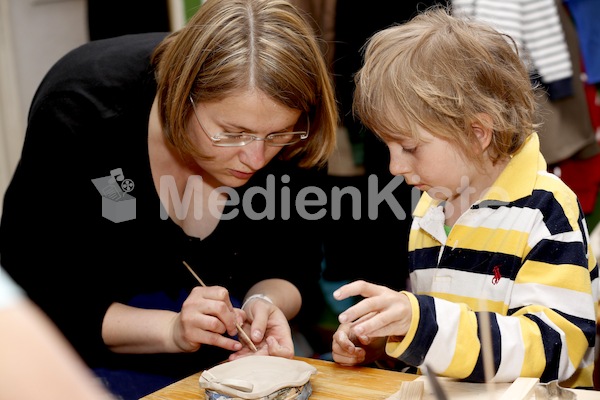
[{"x": 249, "y": 112}]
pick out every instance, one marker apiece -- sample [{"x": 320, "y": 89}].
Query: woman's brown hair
[{"x": 230, "y": 46}]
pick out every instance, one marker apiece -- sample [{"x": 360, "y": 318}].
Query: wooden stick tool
[{"x": 241, "y": 332}]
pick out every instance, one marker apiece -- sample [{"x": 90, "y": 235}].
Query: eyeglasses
[{"x": 226, "y": 139}]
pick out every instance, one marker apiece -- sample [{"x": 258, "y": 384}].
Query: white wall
[
  {"x": 44, "y": 30},
  {"x": 33, "y": 35}
]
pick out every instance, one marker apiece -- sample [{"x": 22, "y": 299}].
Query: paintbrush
[
  {"x": 434, "y": 382},
  {"x": 239, "y": 328}
]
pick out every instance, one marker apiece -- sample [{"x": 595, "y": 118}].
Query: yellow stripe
[
  {"x": 554, "y": 275},
  {"x": 421, "y": 241},
  {"x": 535, "y": 358},
  {"x": 472, "y": 302},
  {"x": 394, "y": 347},
  {"x": 583, "y": 377},
  {"x": 423, "y": 204},
  {"x": 577, "y": 344},
  {"x": 516, "y": 181},
  {"x": 467, "y": 346},
  {"x": 492, "y": 240}
]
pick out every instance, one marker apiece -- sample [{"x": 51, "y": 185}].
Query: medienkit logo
[
  {"x": 311, "y": 203},
  {"x": 117, "y": 204}
]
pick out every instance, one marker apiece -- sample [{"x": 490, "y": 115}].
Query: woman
[{"x": 164, "y": 149}]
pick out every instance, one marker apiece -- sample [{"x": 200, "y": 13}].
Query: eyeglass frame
[{"x": 216, "y": 139}]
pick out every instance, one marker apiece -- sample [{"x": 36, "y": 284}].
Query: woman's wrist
[{"x": 255, "y": 297}]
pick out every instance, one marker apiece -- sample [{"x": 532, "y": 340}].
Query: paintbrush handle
[{"x": 241, "y": 332}]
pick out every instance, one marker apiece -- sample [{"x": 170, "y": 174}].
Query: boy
[{"x": 494, "y": 234}]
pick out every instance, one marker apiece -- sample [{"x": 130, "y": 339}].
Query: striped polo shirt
[{"x": 522, "y": 253}]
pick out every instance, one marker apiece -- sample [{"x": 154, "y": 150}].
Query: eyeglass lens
[{"x": 241, "y": 139}]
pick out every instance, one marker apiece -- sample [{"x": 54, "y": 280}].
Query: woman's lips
[{"x": 241, "y": 175}]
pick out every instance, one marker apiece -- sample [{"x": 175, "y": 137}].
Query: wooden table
[
  {"x": 331, "y": 382},
  {"x": 334, "y": 382}
]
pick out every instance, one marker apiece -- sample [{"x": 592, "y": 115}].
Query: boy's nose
[{"x": 398, "y": 162}]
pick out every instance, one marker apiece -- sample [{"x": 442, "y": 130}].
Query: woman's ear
[{"x": 482, "y": 128}]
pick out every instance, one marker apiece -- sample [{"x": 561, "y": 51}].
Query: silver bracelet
[{"x": 257, "y": 296}]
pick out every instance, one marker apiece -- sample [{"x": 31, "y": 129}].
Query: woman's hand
[
  {"x": 269, "y": 331},
  {"x": 206, "y": 315}
]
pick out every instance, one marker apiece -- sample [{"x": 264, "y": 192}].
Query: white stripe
[
  {"x": 553, "y": 77},
  {"x": 589, "y": 358},
  {"x": 554, "y": 62},
  {"x": 508, "y": 218},
  {"x": 568, "y": 237},
  {"x": 547, "y": 38},
  {"x": 443, "y": 347},
  {"x": 543, "y": 24},
  {"x": 539, "y": 7},
  {"x": 531, "y": 24},
  {"x": 526, "y": 220},
  {"x": 471, "y": 285},
  {"x": 571, "y": 302},
  {"x": 513, "y": 351},
  {"x": 459, "y": 283},
  {"x": 555, "y": 66},
  {"x": 512, "y": 7}
]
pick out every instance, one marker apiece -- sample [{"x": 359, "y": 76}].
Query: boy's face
[{"x": 432, "y": 165}]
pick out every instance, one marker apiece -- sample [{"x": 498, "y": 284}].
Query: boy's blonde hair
[
  {"x": 230, "y": 46},
  {"x": 443, "y": 73}
]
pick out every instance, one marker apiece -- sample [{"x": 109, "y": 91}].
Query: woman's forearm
[
  {"x": 284, "y": 295},
  {"x": 134, "y": 330}
]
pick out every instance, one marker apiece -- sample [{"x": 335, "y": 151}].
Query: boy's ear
[{"x": 483, "y": 131}]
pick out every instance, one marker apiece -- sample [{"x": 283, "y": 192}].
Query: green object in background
[
  {"x": 191, "y": 6},
  {"x": 593, "y": 218}
]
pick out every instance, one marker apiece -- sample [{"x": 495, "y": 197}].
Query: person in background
[
  {"x": 497, "y": 244},
  {"x": 37, "y": 362},
  {"x": 147, "y": 150}
]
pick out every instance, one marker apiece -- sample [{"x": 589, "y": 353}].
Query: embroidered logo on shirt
[{"x": 497, "y": 275}]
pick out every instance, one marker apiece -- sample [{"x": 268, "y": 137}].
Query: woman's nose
[{"x": 253, "y": 154}]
